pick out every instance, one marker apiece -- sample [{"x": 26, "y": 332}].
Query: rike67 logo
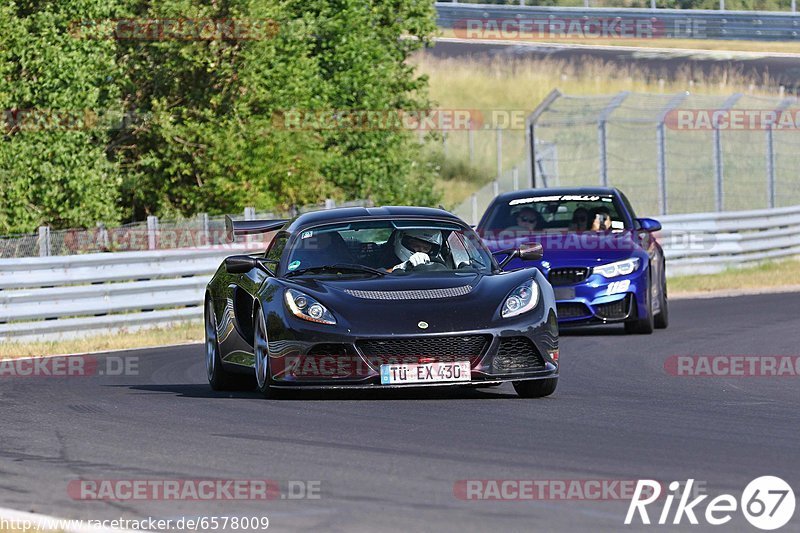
[{"x": 767, "y": 502}]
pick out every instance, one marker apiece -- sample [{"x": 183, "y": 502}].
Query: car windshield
[
  {"x": 546, "y": 213},
  {"x": 382, "y": 247}
]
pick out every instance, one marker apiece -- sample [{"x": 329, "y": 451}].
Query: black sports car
[{"x": 378, "y": 298}]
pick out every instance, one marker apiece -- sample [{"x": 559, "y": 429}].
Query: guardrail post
[
  {"x": 499, "y": 151},
  {"x": 152, "y": 232},
  {"x": 601, "y": 134},
  {"x": 44, "y": 241},
  {"x": 249, "y": 213},
  {"x": 495, "y": 188},
  {"x": 330, "y": 203},
  {"x": 718, "y": 163},
  {"x": 515, "y": 178},
  {"x": 474, "y": 202}
]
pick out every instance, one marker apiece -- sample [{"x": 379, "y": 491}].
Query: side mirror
[
  {"x": 242, "y": 264},
  {"x": 649, "y": 225},
  {"x": 531, "y": 251}
]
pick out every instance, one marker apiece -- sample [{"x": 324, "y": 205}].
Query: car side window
[
  {"x": 629, "y": 208},
  {"x": 276, "y": 247}
]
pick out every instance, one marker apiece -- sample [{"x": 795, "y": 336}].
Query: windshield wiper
[{"x": 339, "y": 266}]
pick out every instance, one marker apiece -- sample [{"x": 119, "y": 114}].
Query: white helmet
[{"x": 432, "y": 236}]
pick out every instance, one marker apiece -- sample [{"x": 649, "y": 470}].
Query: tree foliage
[{"x": 202, "y": 134}]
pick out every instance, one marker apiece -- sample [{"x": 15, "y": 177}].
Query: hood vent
[{"x": 426, "y": 294}]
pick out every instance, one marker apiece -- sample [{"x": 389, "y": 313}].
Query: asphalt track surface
[
  {"x": 666, "y": 63},
  {"x": 389, "y": 460}
]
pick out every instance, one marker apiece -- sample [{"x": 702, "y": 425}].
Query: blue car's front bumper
[{"x": 602, "y": 300}]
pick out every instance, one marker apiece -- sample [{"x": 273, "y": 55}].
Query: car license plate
[
  {"x": 564, "y": 293},
  {"x": 425, "y": 373}
]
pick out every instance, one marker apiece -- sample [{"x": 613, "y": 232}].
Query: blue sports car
[{"x": 604, "y": 263}]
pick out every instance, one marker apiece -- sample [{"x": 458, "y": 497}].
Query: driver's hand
[{"x": 418, "y": 258}]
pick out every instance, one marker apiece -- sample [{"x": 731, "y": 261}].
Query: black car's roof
[
  {"x": 343, "y": 214},
  {"x": 529, "y": 193}
]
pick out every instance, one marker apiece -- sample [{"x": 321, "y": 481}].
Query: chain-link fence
[
  {"x": 153, "y": 234},
  {"x": 677, "y": 153}
]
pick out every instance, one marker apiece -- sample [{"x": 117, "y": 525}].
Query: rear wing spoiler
[{"x": 250, "y": 227}]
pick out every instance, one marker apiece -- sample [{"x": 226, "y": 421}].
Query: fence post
[
  {"x": 471, "y": 141},
  {"x": 206, "y": 229},
  {"x": 499, "y": 151},
  {"x": 515, "y": 178},
  {"x": 44, "y": 241},
  {"x": 718, "y": 163},
  {"x": 152, "y": 232},
  {"x": 530, "y": 131},
  {"x": 771, "y": 151},
  {"x": 330, "y": 203},
  {"x": 249, "y": 213},
  {"x": 474, "y": 202},
  {"x": 661, "y": 139},
  {"x": 495, "y": 188},
  {"x": 722, "y": 5},
  {"x": 102, "y": 237},
  {"x": 601, "y": 134}
]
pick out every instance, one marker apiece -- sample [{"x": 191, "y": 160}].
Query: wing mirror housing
[
  {"x": 242, "y": 264},
  {"x": 649, "y": 225},
  {"x": 529, "y": 251}
]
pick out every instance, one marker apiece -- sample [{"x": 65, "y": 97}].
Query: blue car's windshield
[
  {"x": 391, "y": 247},
  {"x": 557, "y": 213}
]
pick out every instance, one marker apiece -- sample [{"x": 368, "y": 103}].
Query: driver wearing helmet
[{"x": 415, "y": 247}]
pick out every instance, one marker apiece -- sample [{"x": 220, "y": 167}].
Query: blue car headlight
[
  {"x": 307, "y": 308},
  {"x": 620, "y": 268},
  {"x": 521, "y": 300}
]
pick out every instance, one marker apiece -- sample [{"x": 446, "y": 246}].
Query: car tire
[
  {"x": 218, "y": 378},
  {"x": 261, "y": 356},
  {"x": 646, "y": 325},
  {"x": 536, "y": 388},
  {"x": 662, "y": 318}
]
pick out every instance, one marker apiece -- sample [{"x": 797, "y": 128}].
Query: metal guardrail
[
  {"x": 69, "y": 296},
  {"x": 710, "y": 242},
  {"x": 669, "y": 23},
  {"x": 72, "y": 296}
]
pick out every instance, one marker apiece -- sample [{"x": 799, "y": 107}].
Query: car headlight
[
  {"x": 620, "y": 268},
  {"x": 307, "y": 308},
  {"x": 521, "y": 300}
]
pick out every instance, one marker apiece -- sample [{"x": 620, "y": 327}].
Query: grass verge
[
  {"x": 772, "y": 274},
  {"x": 687, "y": 44},
  {"x": 178, "y": 334}
]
